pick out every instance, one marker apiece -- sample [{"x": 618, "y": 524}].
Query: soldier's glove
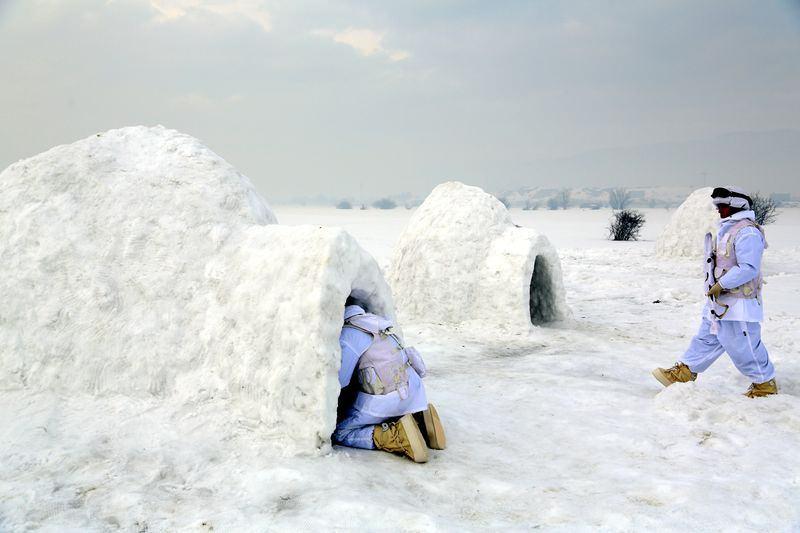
[{"x": 715, "y": 291}]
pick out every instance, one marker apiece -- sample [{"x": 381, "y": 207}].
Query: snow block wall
[
  {"x": 462, "y": 259},
  {"x": 684, "y": 233},
  {"x": 139, "y": 262}
]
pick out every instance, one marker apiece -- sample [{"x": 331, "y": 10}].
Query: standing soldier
[{"x": 733, "y": 312}]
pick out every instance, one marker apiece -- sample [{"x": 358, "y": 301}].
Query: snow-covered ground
[{"x": 565, "y": 430}]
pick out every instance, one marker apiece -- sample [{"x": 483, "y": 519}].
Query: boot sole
[
  {"x": 760, "y": 394},
  {"x": 659, "y": 375},
  {"x": 433, "y": 426},
  {"x": 419, "y": 453}
]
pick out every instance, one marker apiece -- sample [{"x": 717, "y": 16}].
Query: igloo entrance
[{"x": 542, "y": 299}]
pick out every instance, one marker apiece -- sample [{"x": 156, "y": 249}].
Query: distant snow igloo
[
  {"x": 462, "y": 259},
  {"x": 684, "y": 233},
  {"x": 138, "y": 262}
]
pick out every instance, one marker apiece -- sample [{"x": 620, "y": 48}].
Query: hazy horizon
[{"x": 374, "y": 99}]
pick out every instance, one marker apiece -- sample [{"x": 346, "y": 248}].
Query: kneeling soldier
[{"x": 383, "y": 403}]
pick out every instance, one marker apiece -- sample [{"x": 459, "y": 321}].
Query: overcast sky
[{"x": 341, "y": 97}]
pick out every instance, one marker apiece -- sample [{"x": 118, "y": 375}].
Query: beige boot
[
  {"x": 757, "y": 390},
  {"x": 401, "y": 437},
  {"x": 431, "y": 427},
  {"x": 679, "y": 373}
]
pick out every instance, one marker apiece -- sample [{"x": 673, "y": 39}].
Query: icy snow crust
[
  {"x": 683, "y": 235},
  {"x": 462, "y": 259},
  {"x": 138, "y": 262}
]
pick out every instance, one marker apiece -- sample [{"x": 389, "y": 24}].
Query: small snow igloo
[
  {"x": 462, "y": 259},
  {"x": 139, "y": 262},
  {"x": 684, "y": 233}
]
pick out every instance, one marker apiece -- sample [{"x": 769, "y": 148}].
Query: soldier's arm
[
  {"x": 350, "y": 357},
  {"x": 749, "y": 249}
]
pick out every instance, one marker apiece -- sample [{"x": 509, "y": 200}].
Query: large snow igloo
[
  {"x": 138, "y": 262},
  {"x": 684, "y": 234},
  {"x": 462, "y": 259}
]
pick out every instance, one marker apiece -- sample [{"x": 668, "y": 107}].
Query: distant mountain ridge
[
  {"x": 599, "y": 197},
  {"x": 593, "y": 197},
  {"x": 660, "y": 174}
]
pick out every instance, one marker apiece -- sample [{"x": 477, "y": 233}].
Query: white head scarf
[{"x": 733, "y": 198}]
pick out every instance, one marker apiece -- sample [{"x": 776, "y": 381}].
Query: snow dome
[
  {"x": 138, "y": 262},
  {"x": 461, "y": 259},
  {"x": 684, "y": 233}
]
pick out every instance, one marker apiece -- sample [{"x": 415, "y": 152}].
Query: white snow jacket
[
  {"x": 354, "y": 343},
  {"x": 382, "y": 368},
  {"x": 726, "y": 261},
  {"x": 748, "y": 247}
]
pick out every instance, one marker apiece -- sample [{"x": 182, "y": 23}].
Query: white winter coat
[
  {"x": 354, "y": 343},
  {"x": 749, "y": 246}
]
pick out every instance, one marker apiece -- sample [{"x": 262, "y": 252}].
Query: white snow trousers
[
  {"x": 356, "y": 431},
  {"x": 742, "y": 341}
]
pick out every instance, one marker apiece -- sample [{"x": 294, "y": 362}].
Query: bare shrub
[
  {"x": 384, "y": 203},
  {"x": 564, "y": 198},
  {"x": 344, "y": 204},
  {"x": 619, "y": 199},
  {"x": 765, "y": 209},
  {"x": 626, "y": 225}
]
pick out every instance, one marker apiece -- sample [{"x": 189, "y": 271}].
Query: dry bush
[
  {"x": 619, "y": 198},
  {"x": 765, "y": 209},
  {"x": 625, "y": 225}
]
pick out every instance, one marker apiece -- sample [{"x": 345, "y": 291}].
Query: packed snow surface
[
  {"x": 138, "y": 263},
  {"x": 564, "y": 430},
  {"x": 462, "y": 259},
  {"x": 684, "y": 233}
]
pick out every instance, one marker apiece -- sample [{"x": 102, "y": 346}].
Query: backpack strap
[
  {"x": 348, "y": 324},
  {"x": 734, "y": 232}
]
